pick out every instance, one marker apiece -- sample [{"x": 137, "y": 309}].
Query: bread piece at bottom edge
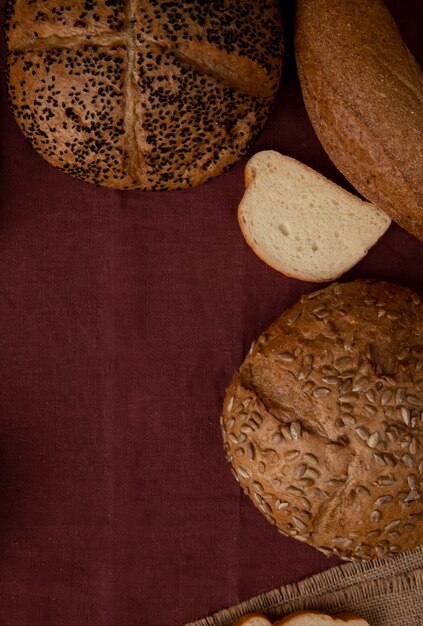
[
  {"x": 315, "y": 618},
  {"x": 253, "y": 619},
  {"x": 304, "y": 618}
]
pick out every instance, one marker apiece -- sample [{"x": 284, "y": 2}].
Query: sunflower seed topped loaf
[
  {"x": 323, "y": 422},
  {"x": 143, "y": 94}
]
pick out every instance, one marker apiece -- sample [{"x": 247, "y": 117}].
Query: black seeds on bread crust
[
  {"x": 323, "y": 422},
  {"x": 143, "y": 94},
  {"x": 74, "y": 117}
]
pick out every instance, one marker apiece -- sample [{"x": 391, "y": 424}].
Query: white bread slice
[
  {"x": 314, "y": 618},
  {"x": 302, "y": 224}
]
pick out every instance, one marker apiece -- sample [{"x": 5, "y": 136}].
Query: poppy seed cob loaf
[
  {"x": 323, "y": 422},
  {"x": 143, "y": 94}
]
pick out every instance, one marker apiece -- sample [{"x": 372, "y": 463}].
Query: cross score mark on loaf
[{"x": 165, "y": 71}]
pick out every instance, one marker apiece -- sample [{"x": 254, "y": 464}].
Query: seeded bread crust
[
  {"x": 140, "y": 94},
  {"x": 54, "y": 110},
  {"x": 323, "y": 422},
  {"x": 30, "y": 23},
  {"x": 363, "y": 91}
]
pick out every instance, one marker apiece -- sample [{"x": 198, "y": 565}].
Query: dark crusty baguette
[
  {"x": 364, "y": 95},
  {"x": 323, "y": 422},
  {"x": 140, "y": 94}
]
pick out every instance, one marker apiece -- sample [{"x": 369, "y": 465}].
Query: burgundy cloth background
[{"x": 122, "y": 317}]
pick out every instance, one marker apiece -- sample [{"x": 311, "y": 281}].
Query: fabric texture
[
  {"x": 123, "y": 316},
  {"x": 384, "y": 592}
]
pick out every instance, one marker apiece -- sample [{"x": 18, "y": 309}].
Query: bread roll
[
  {"x": 364, "y": 95},
  {"x": 140, "y": 94},
  {"x": 303, "y": 618},
  {"x": 315, "y": 618},
  {"x": 323, "y": 422},
  {"x": 253, "y": 619}
]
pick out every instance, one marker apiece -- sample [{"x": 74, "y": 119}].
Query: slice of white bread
[
  {"x": 304, "y": 618},
  {"x": 302, "y": 224}
]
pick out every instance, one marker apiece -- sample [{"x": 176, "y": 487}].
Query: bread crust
[
  {"x": 339, "y": 618},
  {"x": 30, "y": 23},
  {"x": 252, "y": 619},
  {"x": 331, "y": 620},
  {"x": 322, "y": 422},
  {"x": 179, "y": 96},
  {"x": 363, "y": 92},
  {"x": 63, "y": 131},
  {"x": 256, "y": 619}
]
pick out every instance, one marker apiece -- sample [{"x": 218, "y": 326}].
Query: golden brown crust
[
  {"x": 339, "y": 618},
  {"x": 31, "y": 21},
  {"x": 252, "y": 619},
  {"x": 236, "y": 46},
  {"x": 191, "y": 86},
  {"x": 323, "y": 421},
  {"x": 364, "y": 95},
  {"x": 346, "y": 616},
  {"x": 194, "y": 144},
  {"x": 53, "y": 94},
  {"x": 302, "y": 617}
]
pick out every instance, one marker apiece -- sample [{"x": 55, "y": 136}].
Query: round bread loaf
[
  {"x": 323, "y": 422},
  {"x": 143, "y": 94}
]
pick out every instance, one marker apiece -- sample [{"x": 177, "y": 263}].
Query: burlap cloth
[{"x": 384, "y": 592}]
